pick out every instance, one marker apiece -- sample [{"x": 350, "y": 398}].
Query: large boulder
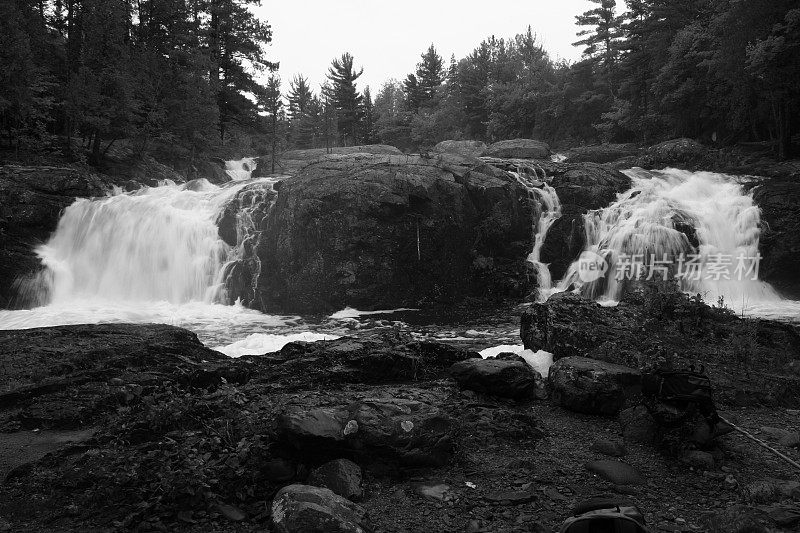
[
  {"x": 465, "y": 148},
  {"x": 307, "y": 509},
  {"x": 412, "y": 432},
  {"x": 591, "y": 386},
  {"x": 342, "y": 476},
  {"x": 519, "y": 149},
  {"x": 378, "y": 231},
  {"x": 779, "y": 201},
  {"x": 499, "y": 377},
  {"x": 31, "y": 202}
]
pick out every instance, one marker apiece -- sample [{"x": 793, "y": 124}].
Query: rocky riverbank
[{"x": 142, "y": 428}]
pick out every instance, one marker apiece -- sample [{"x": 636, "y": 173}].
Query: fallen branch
[{"x": 762, "y": 443}]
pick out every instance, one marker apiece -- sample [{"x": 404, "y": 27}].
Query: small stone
[
  {"x": 616, "y": 472},
  {"x": 790, "y": 440},
  {"x": 434, "y": 492},
  {"x": 351, "y": 427},
  {"x": 608, "y": 447},
  {"x": 230, "y": 512}
]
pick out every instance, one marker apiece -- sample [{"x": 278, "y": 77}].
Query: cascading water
[
  {"x": 550, "y": 211},
  {"x": 241, "y": 169},
  {"x": 154, "y": 255},
  {"x": 700, "y": 225}
]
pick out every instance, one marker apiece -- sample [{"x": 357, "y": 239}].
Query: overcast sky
[{"x": 387, "y": 37}]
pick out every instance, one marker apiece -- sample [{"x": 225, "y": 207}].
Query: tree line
[
  {"x": 191, "y": 75},
  {"x": 722, "y": 71}
]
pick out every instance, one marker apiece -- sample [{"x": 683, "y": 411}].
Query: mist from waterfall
[{"x": 241, "y": 169}]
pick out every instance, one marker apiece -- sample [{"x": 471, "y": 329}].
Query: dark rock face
[
  {"x": 648, "y": 326},
  {"x": 519, "y": 149},
  {"x": 681, "y": 150},
  {"x": 465, "y": 148},
  {"x": 510, "y": 379},
  {"x": 57, "y": 377},
  {"x": 779, "y": 201},
  {"x": 213, "y": 170},
  {"x": 593, "y": 387},
  {"x": 375, "y": 231},
  {"x": 412, "y": 432},
  {"x": 342, "y": 476},
  {"x": 31, "y": 201},
  {"x": 601, "y": 153},
  {"x": 307, "y": 509}
]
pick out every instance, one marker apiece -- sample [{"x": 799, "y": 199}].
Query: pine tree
[
  {"x": 602, "y": 38},
  {"x": 301, "y": 125},
  {"x": 345, "y": 97},
  {"x": 368, "y": 118},
  {"x": 430, "y": 75},
  {"x": 413, "y": 93},
  {"x": 271, "y": 104}
]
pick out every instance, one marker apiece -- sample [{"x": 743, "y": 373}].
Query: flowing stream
[{"x": 155, "y": 256}]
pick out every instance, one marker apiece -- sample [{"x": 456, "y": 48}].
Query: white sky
[{"x": 387, "y": 38}]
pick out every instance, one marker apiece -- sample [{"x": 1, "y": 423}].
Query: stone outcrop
[
  {"x": 465, "y": 148},
  {"x": 307, "y": 509},
  {"x": 518, "y": 149},
  {"x": 384, "y": 231}
]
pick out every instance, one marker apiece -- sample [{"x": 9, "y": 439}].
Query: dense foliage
[{"x": 175, "y": 73}]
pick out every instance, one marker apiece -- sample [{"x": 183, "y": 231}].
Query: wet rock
[
  {"x": 616, "y": 472},
  {"x": 307, "y": 509},
  {"x": 518, "y": 149},
  {"x": 412, "y": 432},
  {"x": 293, "y": 161},
  {"x": 507, "y": 378},
  {"x": 682, "y": 151},
  {"x": 387, "y": 231},
  {"x": 593, "y": 387},
  {"x": 465, "y": 148},
  {"x": 608, "y": 447},
  {"x": 342, "y": 476}
]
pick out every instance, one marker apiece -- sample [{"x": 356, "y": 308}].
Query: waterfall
[
  {"x": 157, "y": 244},
  {"x": 241, "y": 169},
  {"x": 550, "y": 210},
  {"x": 700, "y": 227}
]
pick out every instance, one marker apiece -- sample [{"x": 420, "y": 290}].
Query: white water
[
  {"x": 241, "y": 169},
  {"x": 646, "y": 221},
  {"x": 153, "y": 255}
]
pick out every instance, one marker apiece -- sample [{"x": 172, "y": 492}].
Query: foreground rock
[
  {"x": 510, "y": 379},
  {"x": 384, "y": 231},
  {"x": 341, "y": 476},
  {"x": 657, "y": 323},
  {"x": 306, "y": 509},
  {"x": 69, "y": 376},
  {"x": 519, "y": 149},
  {"x": 413, "y": 432},
  {"x": 593, "y": 387}
]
